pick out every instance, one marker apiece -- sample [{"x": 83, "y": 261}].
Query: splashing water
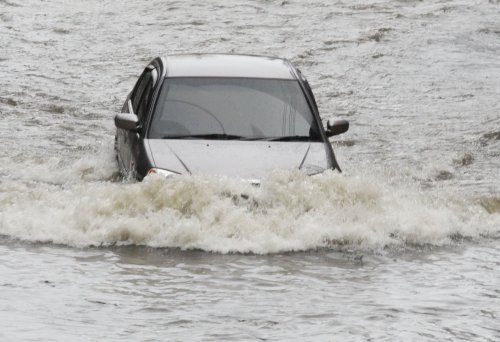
[{"x": 288, "y": 212}]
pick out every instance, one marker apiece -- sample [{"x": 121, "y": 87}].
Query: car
[{"x": 222, "y": 114}]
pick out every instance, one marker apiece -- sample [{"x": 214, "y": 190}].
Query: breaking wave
[{"x": 288, "y": 212}]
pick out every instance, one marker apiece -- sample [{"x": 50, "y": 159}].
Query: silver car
[{"x": 220, "y": 114}]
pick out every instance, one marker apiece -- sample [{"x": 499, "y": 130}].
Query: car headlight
[{"x": 161, "y": 172}]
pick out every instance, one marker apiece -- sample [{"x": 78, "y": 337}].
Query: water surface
[{"x": 402, "y": 246}]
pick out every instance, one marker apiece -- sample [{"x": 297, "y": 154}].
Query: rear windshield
[{"x": 246, "y": 107}]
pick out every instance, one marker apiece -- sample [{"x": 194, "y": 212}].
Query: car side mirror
[
  {"x": 337, "y": 127},
  {"x": 127, "y": 121}
]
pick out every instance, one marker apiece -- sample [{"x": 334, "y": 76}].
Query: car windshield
[{"x": 233, "y": 108}]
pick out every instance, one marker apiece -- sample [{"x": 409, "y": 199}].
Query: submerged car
[{"x": 221, "y": 114}]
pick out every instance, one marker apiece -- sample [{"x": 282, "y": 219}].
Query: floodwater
[{"x": 403, "y": 245}]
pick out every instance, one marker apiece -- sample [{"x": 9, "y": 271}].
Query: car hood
[{"x": 244, "y": 159}]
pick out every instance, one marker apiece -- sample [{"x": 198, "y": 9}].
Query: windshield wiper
[
  {"x": 223, "y": 136},
  {"x": 290, "y": 138},
  {"x": 214, "y": 136}
]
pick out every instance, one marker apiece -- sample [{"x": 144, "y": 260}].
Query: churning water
[{"x": 404, "y": 245}]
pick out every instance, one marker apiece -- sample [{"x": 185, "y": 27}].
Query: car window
[
  {"x": 143, "y": 90},
  {"x": 138, "y": 89},
  {"x": 145, "y": 99},
  {"x": 252, "y": 108}
]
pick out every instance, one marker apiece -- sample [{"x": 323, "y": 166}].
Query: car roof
[{"x": 228, "y": 65}]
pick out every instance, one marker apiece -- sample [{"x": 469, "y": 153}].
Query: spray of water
[{"x": 82, "y": 205}]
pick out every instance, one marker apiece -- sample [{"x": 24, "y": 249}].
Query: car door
[{"x": 139, "y": 104}]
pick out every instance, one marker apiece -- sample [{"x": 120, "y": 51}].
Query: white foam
[{"x": 289, "y": 212}]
